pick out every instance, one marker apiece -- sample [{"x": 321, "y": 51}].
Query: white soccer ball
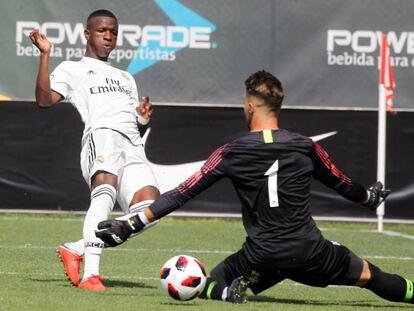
[{"x": 183, "y": 277}]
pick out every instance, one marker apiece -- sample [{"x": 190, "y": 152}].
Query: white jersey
[{"x": 103, "y": 95}]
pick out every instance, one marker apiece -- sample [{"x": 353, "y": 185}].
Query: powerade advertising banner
[
  {"x": 40, "y": 155},
  {"x": 197, "y": 51}
]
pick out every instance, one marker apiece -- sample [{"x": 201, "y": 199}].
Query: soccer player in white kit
[{"x": 113, "y": 160}]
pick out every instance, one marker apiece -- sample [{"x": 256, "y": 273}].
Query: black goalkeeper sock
[
  {"x": 212, "y": 290},
  {"x": 390, "y": 286}
]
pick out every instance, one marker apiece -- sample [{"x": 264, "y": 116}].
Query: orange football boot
[
  {"x": 93, "y": 282},
  {"x": 72, "y": 262}
]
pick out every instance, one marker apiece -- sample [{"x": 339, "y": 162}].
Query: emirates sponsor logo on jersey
[{"x": 110, "y": 86}]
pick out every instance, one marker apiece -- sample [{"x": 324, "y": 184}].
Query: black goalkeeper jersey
[{"x": 271, "y": 171}]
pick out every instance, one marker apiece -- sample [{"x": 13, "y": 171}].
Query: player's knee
[
  {"x": 102, "y": 178},
  {"x": 145, "y": 194},
  {"x": 356, "y": 273},
  {"x": 375, "y": 275},
  {"x": 366, "y": 274},
  {"x": 359, "y": 272}
]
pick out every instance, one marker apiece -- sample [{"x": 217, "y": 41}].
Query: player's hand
[
  {"x": 40, "y": 41},
  {"x": 114, "y": 232},
  {"x": 376, "y": 195},
  {"x": 145, "y": 108}
]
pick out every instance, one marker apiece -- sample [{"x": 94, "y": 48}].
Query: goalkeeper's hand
[
  {"x": 114, "y": 232},
  {"x": 376, "y": 195}
]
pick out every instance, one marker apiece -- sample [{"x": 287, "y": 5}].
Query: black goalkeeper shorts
[{"x": 333, "y": 265}]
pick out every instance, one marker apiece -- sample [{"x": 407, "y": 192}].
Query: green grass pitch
[{"x": 32, "y": 278}]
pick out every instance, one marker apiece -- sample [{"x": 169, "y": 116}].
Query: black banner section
[{"x": 39, "y": 154}]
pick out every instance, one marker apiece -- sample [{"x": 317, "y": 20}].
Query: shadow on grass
[
  {"x": 127, "y": 284},
  {"x": 108, "y": 283},
  {"x": 371, "y": 304},
  {"x": 179, "y": 303},
  {"x": 45, "y": 280}
]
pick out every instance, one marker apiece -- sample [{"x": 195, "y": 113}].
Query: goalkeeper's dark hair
[
  {"x": 101, "y": 12},
  {"x": 267, "y": 87}
]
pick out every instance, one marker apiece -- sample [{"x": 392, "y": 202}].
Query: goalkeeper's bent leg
[
  {"x": 222, "y": 276},
  {"x": 214, "y": 290},
  {"x": 390, "y": 286}
]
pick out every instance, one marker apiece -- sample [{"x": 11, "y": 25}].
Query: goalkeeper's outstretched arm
[
  {"x": 116, "y": 232},
  {"x": 327, "y": 173}
]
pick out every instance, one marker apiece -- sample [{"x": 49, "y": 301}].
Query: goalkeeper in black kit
[{"x": 271, "y": 170}]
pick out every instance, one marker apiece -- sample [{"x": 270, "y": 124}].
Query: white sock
[
  {"x": 102, "y": 202},
  {"x": 78, "y": 246},
  {"x": 140, "y": 206},
  {"x": 224, "y": 294}
]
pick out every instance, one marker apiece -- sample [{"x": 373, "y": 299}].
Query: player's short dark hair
[
  {"x": 101, "y": 12},
  {"x": 267, "y": 87}
]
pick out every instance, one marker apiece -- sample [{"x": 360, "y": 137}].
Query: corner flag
[{"x": 386, "y": 80}]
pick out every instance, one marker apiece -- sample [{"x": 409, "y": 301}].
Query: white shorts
[{"x": 108, "y": 150}]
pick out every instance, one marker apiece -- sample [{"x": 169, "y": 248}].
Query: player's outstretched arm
[
  {"x": 45, "y": 97},
  {"x": 326, "y": 172},
  {"x": 376, "y": 195},
  {"x": 117, "y": 231}
]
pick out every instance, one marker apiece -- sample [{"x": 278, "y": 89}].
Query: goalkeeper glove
[
  {"x": 375, "y": 195},
  {"x": 117, "y": 231}
]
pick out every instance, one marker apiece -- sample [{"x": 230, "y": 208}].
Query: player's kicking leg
[{"x": 71, "y": 254}]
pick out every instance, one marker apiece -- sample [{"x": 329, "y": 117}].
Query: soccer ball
[{"x": 183, "y": 277}]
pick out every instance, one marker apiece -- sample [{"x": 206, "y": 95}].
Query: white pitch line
[
  {"x": 180, "y": 251},
  {"x": 398, "y": 234},
  {"x": 192, "y": 215},
  {"x": 45, "y": 219},
  {"x": 120, "y": 277},
  {"x": 42, "y": 219},
  {"x": 389, "y": 233},
  {"x": 387, "y": 257},
  {"x": 200, "y": 251},
  {"x": 385, "y": 232},
  {"x": 347, "y": 230},
  {"x": 137, "y": 278},
  {"x": 150, "y": 278}
]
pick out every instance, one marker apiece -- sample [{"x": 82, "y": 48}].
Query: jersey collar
[{"x": 91, "y": 60}]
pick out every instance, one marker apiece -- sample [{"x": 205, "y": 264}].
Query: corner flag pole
[
  {"x": 386, "y": 86},
  {"x": 382, "y": 127}
]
